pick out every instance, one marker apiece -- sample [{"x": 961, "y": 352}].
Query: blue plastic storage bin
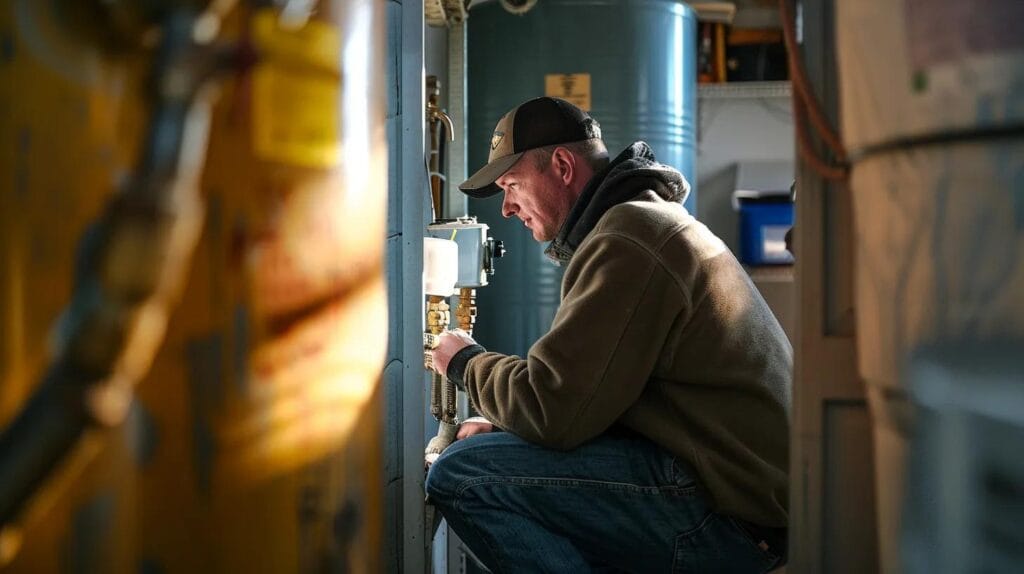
[{"x": 763, "y": 227}]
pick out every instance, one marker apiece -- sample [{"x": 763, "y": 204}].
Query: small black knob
[{"x": 499, "y": 249}]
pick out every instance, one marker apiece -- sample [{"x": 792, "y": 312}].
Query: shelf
[
  {"x": 744, "y": 90},
  {"x": 770, "y": 273}
]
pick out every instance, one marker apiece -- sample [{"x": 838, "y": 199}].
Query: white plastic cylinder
[{"x": 440, "y": 266}]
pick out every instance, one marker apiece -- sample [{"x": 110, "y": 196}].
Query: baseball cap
[{"x": 537, "y": 123}]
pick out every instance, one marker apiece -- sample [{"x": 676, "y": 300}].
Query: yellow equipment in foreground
[{"x": 185, "y": 392}]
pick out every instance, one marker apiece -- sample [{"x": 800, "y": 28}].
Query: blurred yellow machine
[{"x": 192, "y": 304}]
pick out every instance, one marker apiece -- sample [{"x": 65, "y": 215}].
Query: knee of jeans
[{"x": 454, "y": 466}]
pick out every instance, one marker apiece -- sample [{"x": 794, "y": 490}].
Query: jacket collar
[{"x": 633, "y": 172}]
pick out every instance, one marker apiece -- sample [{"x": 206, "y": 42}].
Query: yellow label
[
  {"x": 314, "y": 44},
  {"x": 574, "y": 88},
  {"x": 296, "y": 117}
]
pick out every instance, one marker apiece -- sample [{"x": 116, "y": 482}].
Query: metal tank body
[
  {"x": 253, "y": 443},
  {"x": 639, "y": 58}
]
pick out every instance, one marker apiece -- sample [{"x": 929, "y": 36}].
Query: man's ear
[{"x": 564, "y": 164}]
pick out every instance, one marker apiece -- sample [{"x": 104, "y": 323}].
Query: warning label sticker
[{"x": 574, "y": 88}]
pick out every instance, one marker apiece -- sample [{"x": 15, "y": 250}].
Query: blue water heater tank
[{"x": 631, "y": 62}]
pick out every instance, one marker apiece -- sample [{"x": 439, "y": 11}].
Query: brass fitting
[
  {"x": 438, "y": 320},
  {"x": 439, "y": 315},
  {"x": 465, "y": 313}
]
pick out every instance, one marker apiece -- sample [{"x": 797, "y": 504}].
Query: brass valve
[
  {"x": 438, "y": 315},
  {"x": 465, "y": 313},
  {"x": 438, "y": 319}
]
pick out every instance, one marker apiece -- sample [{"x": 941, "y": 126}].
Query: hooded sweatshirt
[{"x": 661, "y": 331}]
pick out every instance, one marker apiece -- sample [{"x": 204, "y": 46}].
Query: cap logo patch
[{"x": 496, "y": 139}]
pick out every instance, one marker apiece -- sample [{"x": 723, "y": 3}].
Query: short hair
[{"x": 592, "y": 151}]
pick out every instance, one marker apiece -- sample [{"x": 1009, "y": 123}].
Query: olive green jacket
[{"x": 659, "y": 330}]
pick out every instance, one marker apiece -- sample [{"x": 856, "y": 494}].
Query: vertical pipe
[{"x": 455, "y": 201}]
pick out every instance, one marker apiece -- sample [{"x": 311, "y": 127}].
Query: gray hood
[{"x": 633, "y": 172}]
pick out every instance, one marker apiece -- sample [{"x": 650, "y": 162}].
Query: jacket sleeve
[{"x": 608, "y": 335}]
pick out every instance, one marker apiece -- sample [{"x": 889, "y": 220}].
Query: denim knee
[{"x": 454, "y": 466}]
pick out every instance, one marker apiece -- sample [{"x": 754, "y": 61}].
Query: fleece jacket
[{"x": 660, "y": 330}]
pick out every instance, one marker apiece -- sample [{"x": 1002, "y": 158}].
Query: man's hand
[
  {"x": 449, "y": 343},
  {"x": 472, "y": 426}
]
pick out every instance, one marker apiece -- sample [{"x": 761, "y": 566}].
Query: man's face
[{"x": 539, "y": 197}]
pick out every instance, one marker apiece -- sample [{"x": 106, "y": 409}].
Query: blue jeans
[{"x": 616, "y": 503}]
